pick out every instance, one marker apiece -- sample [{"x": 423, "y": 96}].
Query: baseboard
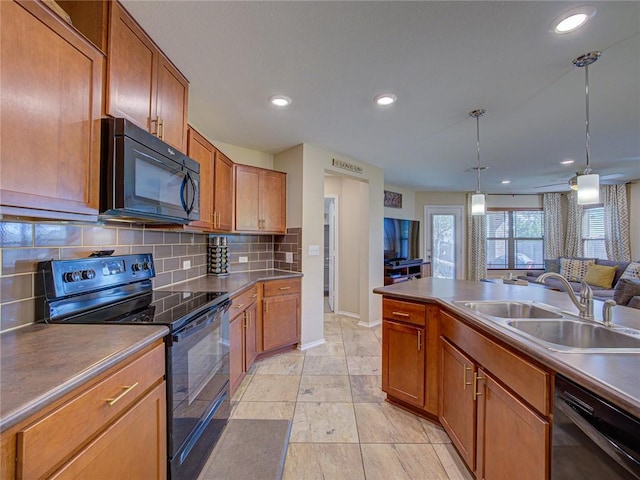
[
  {"x": 309, "y": 345},
  {"x": 349, "y": 314},
  {"x": 370, "y": 325}
]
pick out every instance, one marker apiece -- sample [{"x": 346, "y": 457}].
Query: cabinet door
[
  {"x": 250, "y": 346},
  {"x": 50, "y": 103},
  {"x": 171, "y": 104},
  {"x": 280, "y": 321},
  {"x": 132, "y": 65},
  {"x": 202, "y": 152},
  {"x": 457, "y": 412},
  {"x": 513, "y": 441},
  {"x": 223, "y": 193},
  {"x": 403, "y": 362},
  {"x": 138, "y": 440},
  {"x": 247, "y": 203},
  {"x": 273, "y": 205},
  {"x": 236, "y": 351}
]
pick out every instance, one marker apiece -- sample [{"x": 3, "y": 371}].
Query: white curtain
[
  {"x": 573, "y": 237},
  {"x": 553, "y": 226},
  {"x": 616, "y": 222},
  {"x": 477, "y": 244}
]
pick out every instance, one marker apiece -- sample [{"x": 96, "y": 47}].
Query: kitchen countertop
[
  {"x": 232, "y": 283},
  {"x": 41, "y": 363},
  {"x": 614, "y": 376}
]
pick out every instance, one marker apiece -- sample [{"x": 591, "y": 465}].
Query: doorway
[
  {"x": 330, "y": 247},
  {"x": 444, "y": 240}
]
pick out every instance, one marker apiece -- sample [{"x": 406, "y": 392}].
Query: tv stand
[{"x": 405, "y": 271}]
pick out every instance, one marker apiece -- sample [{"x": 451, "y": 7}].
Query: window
[
  {"x": 515, "y": 239},
  {"x": 593, "y": 233}
]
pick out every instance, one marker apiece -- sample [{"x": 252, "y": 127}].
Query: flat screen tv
[{"x": 401, "y": 239}]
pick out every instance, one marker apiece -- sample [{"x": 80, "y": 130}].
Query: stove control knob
[
  {"x": 88, "y": 274},
  {"x": 137, "y": 267},
  {"x": 71, "y": 277},
  {"x": 146, "y": 265}
]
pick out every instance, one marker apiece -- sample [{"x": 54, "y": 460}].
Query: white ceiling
[{"x": 442, "y": 60}]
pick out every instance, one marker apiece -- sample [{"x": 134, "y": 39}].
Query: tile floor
[{"x": 342, "y": 427}]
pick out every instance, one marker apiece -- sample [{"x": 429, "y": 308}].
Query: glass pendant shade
[
  {"x": 588, "y": 189},
  {"x": 477, "y": 204}
]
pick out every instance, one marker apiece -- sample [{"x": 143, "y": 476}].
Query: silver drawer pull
[
  {"x": 284, "y": 288},
  {"x": 239, "y": 306},
  {"x": 400, "y": 314},
  {"x": 112, "y": 401}
]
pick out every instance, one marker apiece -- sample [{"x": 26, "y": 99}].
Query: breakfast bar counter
[{"x": 614, "y": 376}]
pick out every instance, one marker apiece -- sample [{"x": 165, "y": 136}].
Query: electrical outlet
[
  {"x": 243, "y": 259},
  {"x": 314, "y": 250},
  {"x": 186, "y": 264},
  {"x": 288, "y": 257}
]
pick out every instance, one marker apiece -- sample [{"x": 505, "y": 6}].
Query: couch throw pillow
[
  {"x": 600, "y": 276},
  {"x": 552, "y": 265},
  {"x": 632, "y": 271},
  {"x": 574, "y": 270},
  {"x": 625, "y": 290}
]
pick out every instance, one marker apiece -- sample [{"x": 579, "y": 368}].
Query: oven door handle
[
  {"x": 573, "y": 411},
  {"x": 194, "y": 327},
  {"x": 183, "y": 188},
  {"x": 194, "y": 192}
]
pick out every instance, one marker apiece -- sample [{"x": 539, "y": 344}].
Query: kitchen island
[{"x": 450, "y": 357}]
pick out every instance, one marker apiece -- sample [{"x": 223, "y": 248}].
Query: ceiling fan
[{"x": 572, "y": 182}]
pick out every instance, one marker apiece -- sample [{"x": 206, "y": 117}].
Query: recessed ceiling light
[
  {"x": 280, "y": 101},
  {"x": 386, "y": 99},
  {"x": 571, "y": 20},
  {"x": 505, "y": 182},
  {"x": 567, "y": 162}
]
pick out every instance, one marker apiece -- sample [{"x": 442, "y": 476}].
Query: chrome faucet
[{"x": 584, "y": 304}]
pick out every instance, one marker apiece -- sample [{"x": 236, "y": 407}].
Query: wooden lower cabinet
[
  {"x": 114, "y": 426},
  {"x": 242, "y": 335},
  {"x": 489, "y": 414},
  {"x": 513, "y": 441},
  {"x": 280, "y": 325},
  {"x": 403, "y": 362},
  {"x": 133, "y": 447},
  {"x": 457, "y": 407}
]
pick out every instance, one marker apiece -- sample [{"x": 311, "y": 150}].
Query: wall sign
[
  {"x": 392, "y": 199},
  {"x": 352, "y": 167}
]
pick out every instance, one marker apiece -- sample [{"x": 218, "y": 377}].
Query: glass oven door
[{"x": 198, "y": 378}]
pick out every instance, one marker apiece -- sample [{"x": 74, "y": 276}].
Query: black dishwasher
[{"x": 591, "y": 437}]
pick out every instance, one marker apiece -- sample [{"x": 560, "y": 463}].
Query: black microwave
[{"x": 144, "y": 179}]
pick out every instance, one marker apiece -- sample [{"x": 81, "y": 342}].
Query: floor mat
[{"x": 252, "y": 449}]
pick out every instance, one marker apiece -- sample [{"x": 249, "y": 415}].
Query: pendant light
[
  {"x": 478, "y": 203},
  {"x": 588, "y": 182}
]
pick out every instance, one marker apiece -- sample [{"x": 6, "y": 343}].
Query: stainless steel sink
[
  {"x": 576, "y": 334},
  {"x": 556, "y": 329},
  {"x": 506, "y": 309}
]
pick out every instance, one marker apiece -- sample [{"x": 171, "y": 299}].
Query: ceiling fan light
[
  {"x": 588, "y": 189},
  {"x": 478, "y": 204}
]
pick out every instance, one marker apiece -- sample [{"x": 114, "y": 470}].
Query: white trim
[
  {"x": 458, "y": 212},
  {"x": 370, "y": 325},
  {"x": 349, "y": 314},
  {"x": 315, "y": 343}
]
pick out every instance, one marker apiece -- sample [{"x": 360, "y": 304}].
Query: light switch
[
  {"x": 314, "y": 250},
  {"x": 243, "y": 259},
  {"x": 288, "y": 257}
]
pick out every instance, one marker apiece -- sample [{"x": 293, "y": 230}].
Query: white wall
[
  {"x": 290, "y": 161},
  {"x": 408, "y": 210},
  {"x": 246, "y": 156}
]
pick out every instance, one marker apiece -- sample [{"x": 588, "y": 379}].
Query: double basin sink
[{"x": 555, "y": 329}]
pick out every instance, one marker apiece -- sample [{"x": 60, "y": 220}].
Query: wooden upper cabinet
[
  {"x": 50, "y": 104},
  {"x": 142, "y": 85},
  {"x": 223, "y": 193},
  {"x": 203, "y": 152},
  {"x": 260, "y": 200}
]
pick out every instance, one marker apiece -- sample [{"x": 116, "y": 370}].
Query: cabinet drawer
[
  {"x": 243, "y": 300},
  {"x": 529, "y": 381},
  {"x": 281, "y": 287},
  {"x": 407, "y": 312},
  {"x": 55, "y": 437}
]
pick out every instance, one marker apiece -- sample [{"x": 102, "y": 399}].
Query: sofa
[{"x": 619, "y": 281}]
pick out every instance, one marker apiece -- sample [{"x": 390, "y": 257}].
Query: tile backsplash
[{"x": 24, "y": 244}]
